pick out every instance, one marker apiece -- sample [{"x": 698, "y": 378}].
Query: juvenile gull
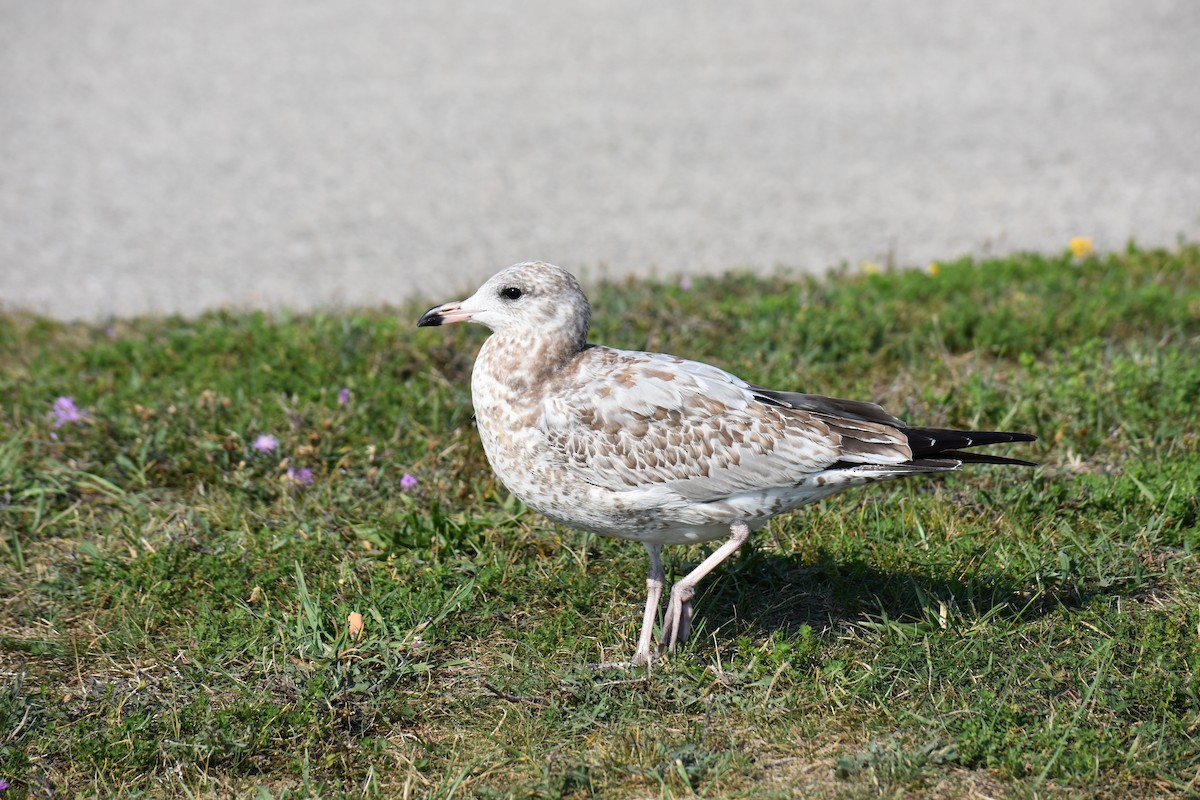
[{"x": 662, "y": 450}]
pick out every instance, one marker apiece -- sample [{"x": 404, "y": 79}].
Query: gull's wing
[
  {"x": 627, "y": 420},
  {"x": 819, "y": 404}
]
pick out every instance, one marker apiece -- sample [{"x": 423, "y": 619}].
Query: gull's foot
[{"x": 677, "y": 624}]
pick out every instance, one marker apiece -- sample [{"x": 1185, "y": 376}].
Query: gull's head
[{"x": 533, "y": 298}]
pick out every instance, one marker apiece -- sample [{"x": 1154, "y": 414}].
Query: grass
[{"x": 174, "y": 610}]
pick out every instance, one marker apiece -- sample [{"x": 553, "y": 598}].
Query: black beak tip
[{"x": 430, "y": 319}]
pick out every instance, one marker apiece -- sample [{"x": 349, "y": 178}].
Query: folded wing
[{"x": 626, "y": 420}]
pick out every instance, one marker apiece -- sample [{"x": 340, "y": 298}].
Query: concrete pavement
[{"x": 158, "y": 156}]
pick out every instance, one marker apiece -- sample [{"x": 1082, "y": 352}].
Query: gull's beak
[{"x": 445, "y": 314}]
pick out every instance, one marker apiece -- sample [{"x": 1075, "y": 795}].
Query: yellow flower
[
  {"x": 935, "y": 268},
  {"x": 1081, "y": 246},
  {"x": 869, "y": 267}
]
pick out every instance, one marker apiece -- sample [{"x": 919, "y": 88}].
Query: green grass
[{"x": 173, "y": 610}]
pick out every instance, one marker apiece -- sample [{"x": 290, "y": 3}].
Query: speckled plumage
[{"x": 660, "y": 449}]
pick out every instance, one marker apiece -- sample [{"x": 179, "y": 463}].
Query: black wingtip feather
[
  {"x": 926, "y": 442},
  {"x": 984, "y": 458}
]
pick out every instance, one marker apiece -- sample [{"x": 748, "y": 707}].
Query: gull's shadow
[{"x": 763, "y": 592}]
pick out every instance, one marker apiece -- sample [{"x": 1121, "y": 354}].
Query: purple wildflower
[
  {"x": 3, "y": 784},
  {"x": 344, "y": 397},
  {"x": 265, "y": 443},
  {"x": 685, "y": 283},
  {"x": 302, "y": 476},
  {"x": 408, "y": 483},
  {"x": 65, "y": 411}
]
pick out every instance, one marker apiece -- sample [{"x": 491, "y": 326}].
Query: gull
[{"x": 660, "y": 449}]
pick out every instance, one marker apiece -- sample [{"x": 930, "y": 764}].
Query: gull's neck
[{"x": 517, "y": 364}]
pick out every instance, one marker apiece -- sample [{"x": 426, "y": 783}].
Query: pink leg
[
  {"x": 654, "y": 587},
  {"x": 678, "y": 622}
]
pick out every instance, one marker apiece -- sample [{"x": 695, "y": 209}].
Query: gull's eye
[{"x": 510, "y": 293}]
